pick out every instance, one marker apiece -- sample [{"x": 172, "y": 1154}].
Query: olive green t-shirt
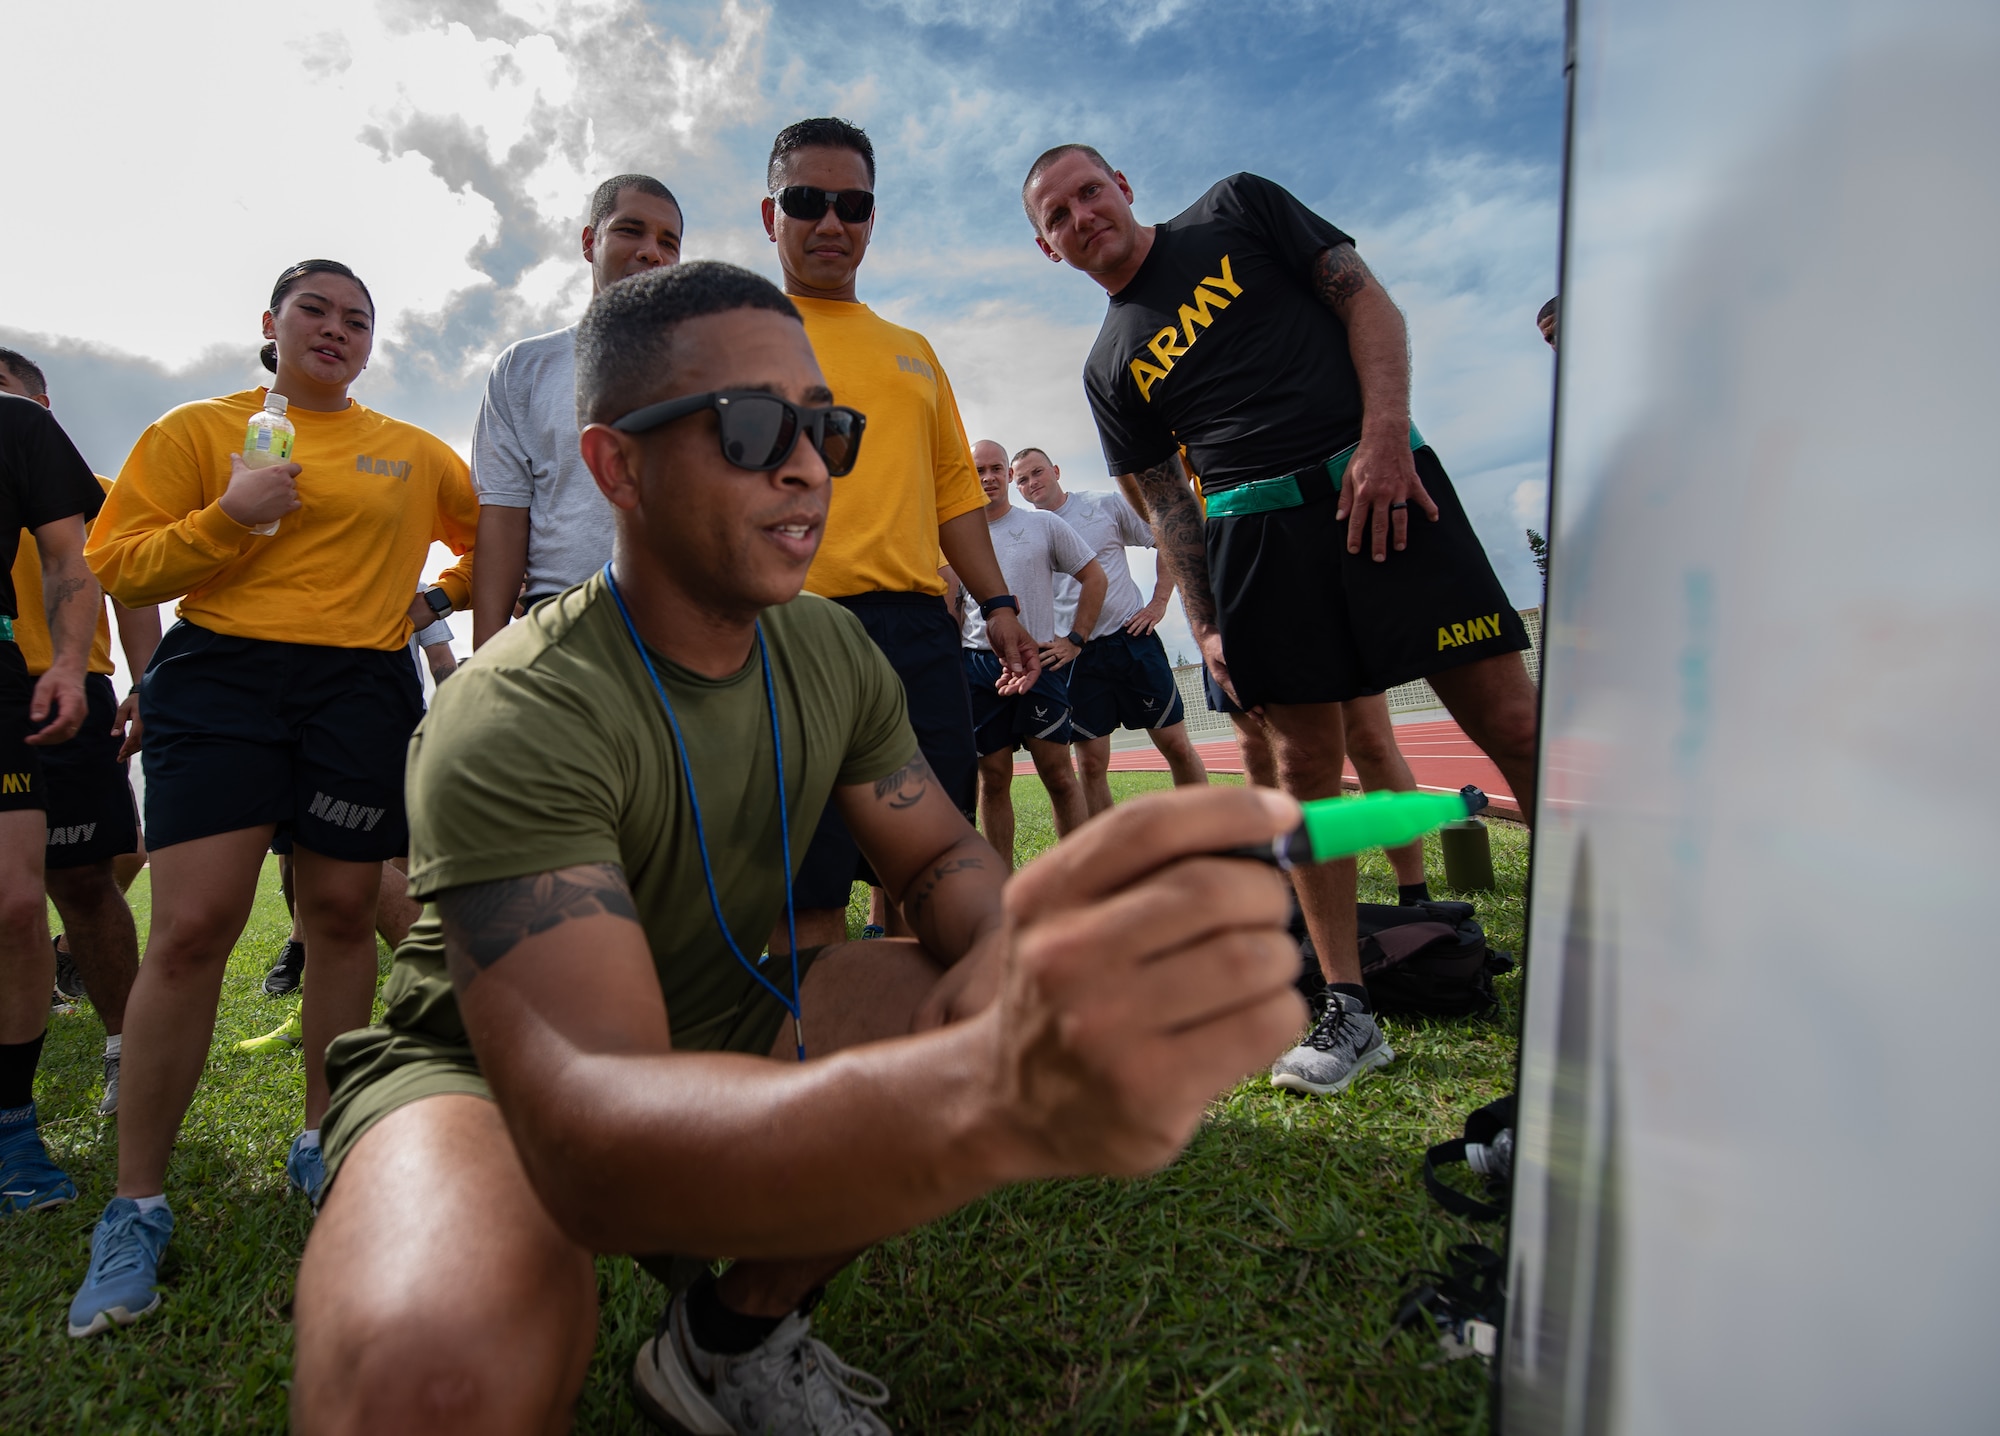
[{"x": 550, "y": 749}]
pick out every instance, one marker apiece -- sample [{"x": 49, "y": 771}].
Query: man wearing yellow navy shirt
[
  {"x": 94, "y": 848},
  {"x": 912, "y": 500}
]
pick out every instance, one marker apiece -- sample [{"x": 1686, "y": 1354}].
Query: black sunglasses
[
  {"x": 810, "y": 202},
  {"x": 758, "y": 431}
]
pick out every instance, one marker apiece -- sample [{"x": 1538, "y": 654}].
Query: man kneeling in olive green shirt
[{"x": 577, "y": 1050}]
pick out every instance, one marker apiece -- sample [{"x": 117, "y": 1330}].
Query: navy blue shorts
[
  {"x": 1002, "y": 724},
  {"x": 92, "y": 817},
  {"x": 915, "y": 631},
  {"x": 1122, "y": 680},
  {"x": 245, "y": 731}
]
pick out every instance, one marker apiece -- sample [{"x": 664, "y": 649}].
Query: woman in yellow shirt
[{"x": 281, "y": 703}]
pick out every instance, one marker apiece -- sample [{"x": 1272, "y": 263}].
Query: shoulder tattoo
[
  {"x": 905, "y": 787},
  {"x": 486, "y": 921},
  {"x": 1338, "y": 275}
]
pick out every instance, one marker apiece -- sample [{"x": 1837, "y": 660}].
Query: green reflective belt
[
  {"x": 1289, "y": 491},
  {"x": 6, "y": 629}
]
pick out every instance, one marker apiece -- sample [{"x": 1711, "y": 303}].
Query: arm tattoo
[
  {"x": 61, "y": 593},
  {"x": 1177, "y": 527},
  {"x": 913, "y": 905},
  {"x": 1339, "y": 275},
  {"x": 486, "y": 921},
  {"x": 905, "y": 787}
]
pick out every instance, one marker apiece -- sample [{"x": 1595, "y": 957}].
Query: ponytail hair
[{"x": 290, "y": 278}]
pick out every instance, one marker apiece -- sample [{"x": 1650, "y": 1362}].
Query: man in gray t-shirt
[
  {"x": 543, "y": 525},
  {"x": 1122, "y": 677},
  {"x": 1033, "y": 548}
]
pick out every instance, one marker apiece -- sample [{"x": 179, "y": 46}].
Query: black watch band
[
  {"x": 999, "y": 600},
  {"x": 439, "y": 600},
  {"x": 1077, "y": 638}
]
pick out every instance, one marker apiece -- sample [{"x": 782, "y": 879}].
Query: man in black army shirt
[
  {"x": 46, "y": 487},
  {"x": 1248, "y": 331}
]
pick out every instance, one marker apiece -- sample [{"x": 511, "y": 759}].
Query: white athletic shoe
[
  {"x": 107, "y": 1106},
  {"x": 792, "y": 1385},
  {"x": 1343, "y": 1043}
]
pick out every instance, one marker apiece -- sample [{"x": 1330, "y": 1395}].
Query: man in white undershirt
[
  {"x": 1033, "y": 548},
  {"x": 1122, "y": 677}
]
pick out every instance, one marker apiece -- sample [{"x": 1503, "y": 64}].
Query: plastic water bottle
[{"x": 269, "y": 441}]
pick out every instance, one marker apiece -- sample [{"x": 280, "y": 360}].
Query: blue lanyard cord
[{"x": 700, "y": 833}]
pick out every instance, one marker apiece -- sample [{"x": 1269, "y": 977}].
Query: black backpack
[{"x": 1429, "y": 959}]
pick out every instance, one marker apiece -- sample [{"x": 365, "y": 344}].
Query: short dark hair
[
  {"x": 1549, "y": 310},
  {"x": 27, "y": 371},
  {"x": 1049, "y": 157},
  {"x": 604, "y": 198},
  {"x": 289, "y": 280},
  {"x": 625, "y": 343},
  {"x": 825, "y": 133},
  {"x": 1033, "y": 449}
]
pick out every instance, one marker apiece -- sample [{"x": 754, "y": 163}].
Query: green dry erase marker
[{"x": 1341, "y": 827}]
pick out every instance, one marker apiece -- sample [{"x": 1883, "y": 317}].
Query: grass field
[{"x": 1248, "y": 1288}]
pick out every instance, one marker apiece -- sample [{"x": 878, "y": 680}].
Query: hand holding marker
[{"x": 1341, "y": 827}]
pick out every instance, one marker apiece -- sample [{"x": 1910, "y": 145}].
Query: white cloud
[
  {"x": 1530, "y": 501},
  {"x": 439, "y": 156}
]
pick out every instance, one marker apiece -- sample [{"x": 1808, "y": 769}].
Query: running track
[{"x": 1440, "y": 755}]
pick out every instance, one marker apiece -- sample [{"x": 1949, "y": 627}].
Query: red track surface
[{"x": 1440, "y": 755}]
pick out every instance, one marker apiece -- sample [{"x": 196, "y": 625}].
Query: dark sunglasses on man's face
[
  {"x": 758, "y": 430},
  {"x": 810, "y": 203}
]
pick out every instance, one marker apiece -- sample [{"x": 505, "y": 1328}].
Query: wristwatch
[
  {"x": 1074, "y": 637},
  {"x": 439, "y": 600},
  {"x": 999, "y": 600}
]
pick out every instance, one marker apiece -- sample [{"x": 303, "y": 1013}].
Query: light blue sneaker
[
  {"x": 29, "y": 1181},
  {"x": 125, "y": 1255},
  {"x": 307, "y": 1168}
]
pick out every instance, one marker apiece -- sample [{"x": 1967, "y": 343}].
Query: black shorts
[
  {"x": 1122, "y": 680},
  {"x": 1218, "y": 701},
  {"x": 21, "y": 774},
  {"x": 916, "y": 633},
  {"x": 92, "y": 817},
  {"x": 1003, "y": 723},
  {"x": 1305, "y": 621},
  {"x": 245, "y": 731}
]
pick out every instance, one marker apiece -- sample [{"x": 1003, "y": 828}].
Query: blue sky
[{"x": 445, "y": 150}]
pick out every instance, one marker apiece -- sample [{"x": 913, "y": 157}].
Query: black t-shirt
[
  {"x": 1220, "y": 343},
  {"x": 42, "y": 478}
]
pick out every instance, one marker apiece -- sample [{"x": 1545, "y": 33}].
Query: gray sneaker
[
  {"x": 792, "y": 1385},
  {"x": 108, "y": 1104},
  {"x": 1343, "y": 1043}
]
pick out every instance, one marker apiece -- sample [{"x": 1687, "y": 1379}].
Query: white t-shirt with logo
[
  {"x": 1109, "y": 525},
  {"x": 1033, "y": 548}
]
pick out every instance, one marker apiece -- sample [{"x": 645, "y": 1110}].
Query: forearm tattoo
[
  {"x": 1176, "y": 519},
  {"x": 483, "y": 922},
  {"x": 905, "y": 787},
  {"x": 1338, "y": 275},
  {"x": 60, "y": 593},
  {"x": 913, "y": 905}
]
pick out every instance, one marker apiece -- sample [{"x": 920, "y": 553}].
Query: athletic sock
[
  {"x": 309, "y": 1137},
  {"x": 1410, "y": 894},
  {"x": 1354, "y": 990},
  {"x": 150, "y": 1204},
  {"x": 718, "y": 1330},
  {"x": 18, "y": 1061}
]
